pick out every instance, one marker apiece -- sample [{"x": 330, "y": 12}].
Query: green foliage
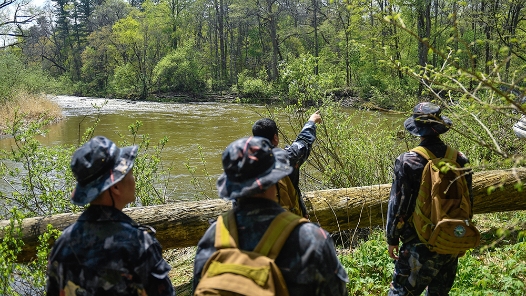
[
  {"x": 10, "y": 246},
  {"x": 124, "y": 81},
  {"x": 368, "y": 266},
  {"x": 150, "y": 174},
  {"x": 178, "y": 71},
  {"x": 40, "y": 180},
  {"x": 23, "y": 279},
  {"x": 498, "y": 147},
  {"x": 16, "y": 76},
  {"x": 345, "y": 144},
  {"x": 204, "y": 182},
  {"x": 299, "y": 83},
  {"x": 499, "y": 271},
  {"x": 249, "y": 87}
]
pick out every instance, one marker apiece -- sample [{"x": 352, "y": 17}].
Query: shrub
[
  {"x": 16, "y": 77},
  {"x": 249, "y": 87},
  {"x": 178, "y": 71},
  {"x": 124, "y": 81}
]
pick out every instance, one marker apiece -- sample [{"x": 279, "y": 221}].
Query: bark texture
[{"x": 182, "y": 224}]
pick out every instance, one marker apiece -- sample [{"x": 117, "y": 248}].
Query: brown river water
[{"x": 191, "y": 128}]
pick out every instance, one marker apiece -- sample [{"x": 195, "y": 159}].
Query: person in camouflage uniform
[
  {"x": 416, "y": 267},
  {"x": 298, "y": 151},
  {"x": 308, "y": 259},
  {"x": 105, "y": 252}
]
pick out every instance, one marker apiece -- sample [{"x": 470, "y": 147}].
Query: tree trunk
[
  {"x": 182, "y": 224},
  {"x": 423, "y": 8},
  {"x": 273, "y": 30}
]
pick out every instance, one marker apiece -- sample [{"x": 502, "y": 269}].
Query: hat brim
[
  {"x": 230, "y": 190},
  {"x": 427, "y": 129},
  {"x": 84, "y": 194}
]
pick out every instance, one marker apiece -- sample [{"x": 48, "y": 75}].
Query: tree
[
  {"x": 14, "y": 15},
  {"x": 140, "y": 43}
]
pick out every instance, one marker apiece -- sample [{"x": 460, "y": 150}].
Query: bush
[
  {"x": 124, "y": 81},
  {"x": 346, "y": 142},
  {"x": 178, "y": 71},
  {"x": 249, "y": 87},
  {"x": 16, "y": 77}
]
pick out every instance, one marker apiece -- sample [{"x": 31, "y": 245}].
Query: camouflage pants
[{"x": 418, "y": 268}]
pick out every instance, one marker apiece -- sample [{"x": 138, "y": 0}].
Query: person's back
[
  {"x": 105, "y": 252},
  {"x": 106, "y": 249},
  {"x": 308, "y": 261},
  {"x": 298, "y": 152},
  {"x": 416, "y": 266}
]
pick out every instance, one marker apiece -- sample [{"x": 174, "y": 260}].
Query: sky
[{"x": 39, "y": 3}]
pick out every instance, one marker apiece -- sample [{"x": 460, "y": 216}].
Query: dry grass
[
  {"x": 181, "y": 274},
  {"x": 31, "y": 106}
]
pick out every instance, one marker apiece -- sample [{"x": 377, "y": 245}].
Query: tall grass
[{"x": 34, "y": 106}]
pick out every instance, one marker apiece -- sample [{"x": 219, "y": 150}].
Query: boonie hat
[
  {"x": 251, "y": 166},
  {"x": 97, "y": 165},
  {"x": 427, "y": 121}
]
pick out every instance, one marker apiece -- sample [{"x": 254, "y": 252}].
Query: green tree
[
  {"x": 140, "y": 43},
  {"x": 178, "y": 71}
]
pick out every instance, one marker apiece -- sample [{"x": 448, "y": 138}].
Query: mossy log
[{"x": 182, "y": 224}]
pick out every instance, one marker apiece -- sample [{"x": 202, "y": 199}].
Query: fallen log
[{"x": 182, "y": 224}]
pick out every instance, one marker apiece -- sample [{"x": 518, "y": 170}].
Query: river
[{"x": 193, "y": 129}]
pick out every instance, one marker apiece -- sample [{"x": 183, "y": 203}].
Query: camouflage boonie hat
[
  {"x": 97, "y": 165},
  {"x": 427, "y": 121},
  {"x": 251, "y": 166}
]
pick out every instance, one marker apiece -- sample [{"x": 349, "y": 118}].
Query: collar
[
  {"x": 105, "y": 213},
  {"x": 249, "y": 203},
  {"x": 431, "y": 141}
]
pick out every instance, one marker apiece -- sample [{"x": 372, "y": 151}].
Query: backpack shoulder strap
[
  {"x": 277, "y": 233},
  {"x": 226, "y": 231},
  {"x": 424, "y": 152}
]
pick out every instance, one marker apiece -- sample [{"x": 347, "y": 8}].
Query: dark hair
[{"x": 265, "y": 128}]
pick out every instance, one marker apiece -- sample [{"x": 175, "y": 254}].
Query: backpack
[
  {"x": 232, "y": 271},
  {"x": 288, "y": 196},
  {"x": 442, "y": 216}
]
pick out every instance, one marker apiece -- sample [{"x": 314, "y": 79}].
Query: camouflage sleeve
[
  {"x": 399, "y": 207},
  {"x": 317, "y": 269},
  {"x": 157, "y": 271},
  {"x": 300, "y": 149},
  {"x": 52, "y": 283},
  {"x": 205, "y": 249},
  {"x": 336, "y": 278}
]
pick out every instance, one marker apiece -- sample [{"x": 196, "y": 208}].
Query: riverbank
[
  {"x": 27, "y": 107},
  {"x": 344, "y": 97}
]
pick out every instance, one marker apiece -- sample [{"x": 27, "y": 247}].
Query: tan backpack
[
  {"x": 232, "y": 271},
  {"x": 288, "y": 196},
  {"x": 442, "y": 216}
]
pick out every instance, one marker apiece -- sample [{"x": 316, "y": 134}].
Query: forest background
[{"x": 469, "y": 56}]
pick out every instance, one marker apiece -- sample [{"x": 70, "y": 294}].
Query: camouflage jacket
[
  {"x": 106, "y": 253},
  {"x": 307, "y": 261},
  {"x": 298, "y": 153},
  {"x": 408, "y": 170}
]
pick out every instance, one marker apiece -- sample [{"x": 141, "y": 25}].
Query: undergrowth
[{"x": 497, "y": 267}]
